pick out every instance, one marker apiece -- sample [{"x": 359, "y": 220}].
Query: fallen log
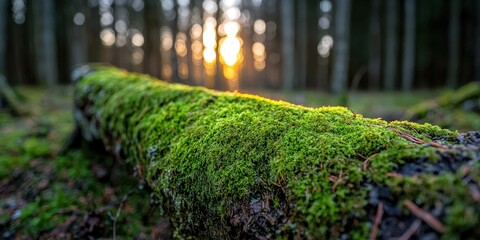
[
  {"x": 459, "y": 109},
  {"x": 228, "y": 165},
  {"x": 9, "y": 99}
]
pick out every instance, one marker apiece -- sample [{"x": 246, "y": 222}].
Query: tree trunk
[
  {"x": 391, "y": 45},
  {"x": 454, "y": 43},
  {"x": 374, "y": 65},
  {"x": 341, "y": 46},
  {"x": 477, "y": 41},
  {"x": 45, "y": 43},
  {"x": 77, "y": 34},
  {"x": 152, "y": 61},
  {"x": 302, "y": 46},
  {"x": 3, "y": 35},
  {"x": 287, "y": 9},
  {"x": 409, "y": 45},
  {"x": 234, "y": 166}
]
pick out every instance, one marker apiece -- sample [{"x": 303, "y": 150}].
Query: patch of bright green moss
[
  {"x": 36, "y": 147},
  {"x": 205, "y": 152}
]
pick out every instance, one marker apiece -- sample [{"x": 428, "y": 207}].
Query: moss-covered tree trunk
[{"x": 229, "y": 165}]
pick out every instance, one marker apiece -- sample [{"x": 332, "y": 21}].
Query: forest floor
[
  {"x": 76, "y": 194},
  {"x": 47, "y": 193}
]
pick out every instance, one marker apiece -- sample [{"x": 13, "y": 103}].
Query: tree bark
[
  {"x": 341, "y": 46},
  {"x": 454, "y": 43},
  {"x": 391, "y": 45},
  {"x": 78, "y": 35},
  {"x": 477, "y": 41},
  {"x": 234, "y": 166},
  {"x": 3, "y": 35},
  {"x": 374, "y": 65},
  {"x": 302, "y": 46},
  {"x": 409, "y": 35},
  {"x": 45, "y": 42},
  {"x": 152, "y": 58},
  {"x": 287, "y": 9}
]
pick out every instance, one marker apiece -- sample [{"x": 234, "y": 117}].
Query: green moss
[
  {"x": 449, "y": 191},
  {"x": 36, "y": 147},
  {"x": 45, "y": 212},
  {"x": 205, "y": 152},
  {"x": 453, "y": 109}
]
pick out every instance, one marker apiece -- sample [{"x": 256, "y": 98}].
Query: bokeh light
[
  {"x": 324, "y": 23},
  {"x": 231, "y": 28},
  {"x": 259, "y": 26},
  {"x": 137, "y": 39},
  {"x": 325, "y": 6},
  {"x": 137, "y": 56},
  {"x": 107, "y": 36},
  {"x": 166, "y": 38},
  {"x": 181, "y": 45},
  {"x": 121, "y": 40},
  {"x": 209, "y": 55},
  {"x": 79, "y": 19},
  {"x": 230, "y": 50},
  {"x": 196, "y": 31}
]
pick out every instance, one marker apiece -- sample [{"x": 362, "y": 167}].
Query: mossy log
[
  {"x": 459, "y": 108},
  {"x": 227, "y": 165},
  {"x": 9, "y": 99}
]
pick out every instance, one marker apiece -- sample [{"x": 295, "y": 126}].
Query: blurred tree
[
  {"x": 374, "y": 65},
  {"x": 454, "y": 43},
  {"x": 45, "y": 42},
  {"x": 93, "y": 28},
  {"x": 391, "y": 45},
  {"x": 174, "y": 56},
  {"x": 77, "y": 32},
  {"x": 341, "y": 49},
  {"x": 302, "y": 44},
  {"x": 135, "y": 47},
  {"x": 3, "y": 35},
  {"x": 477, "y": 41},
  {"x": 409, "y": 45},
  {"x": 152, "y": 38},
  {"x": 287, "y": 11}
]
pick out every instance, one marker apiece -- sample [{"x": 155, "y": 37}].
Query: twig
[
  {"x": 378, "y": 219},
  {"x": 267, "y": 200},
  {"x": 415, "y": 139},
  {"x": 425, "y": 216},
  {"x": 278, "y": 185},
  {"x": 264, "y": 183},
  {"x": 474, "y": 192},
  {"x": 339, "y": 179},
  {"x": 367, "y": 161},
  {"x": 360, "y": 155},
  {"x": 117, "y": 215},
  {"x": 411, "y": 230}
]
